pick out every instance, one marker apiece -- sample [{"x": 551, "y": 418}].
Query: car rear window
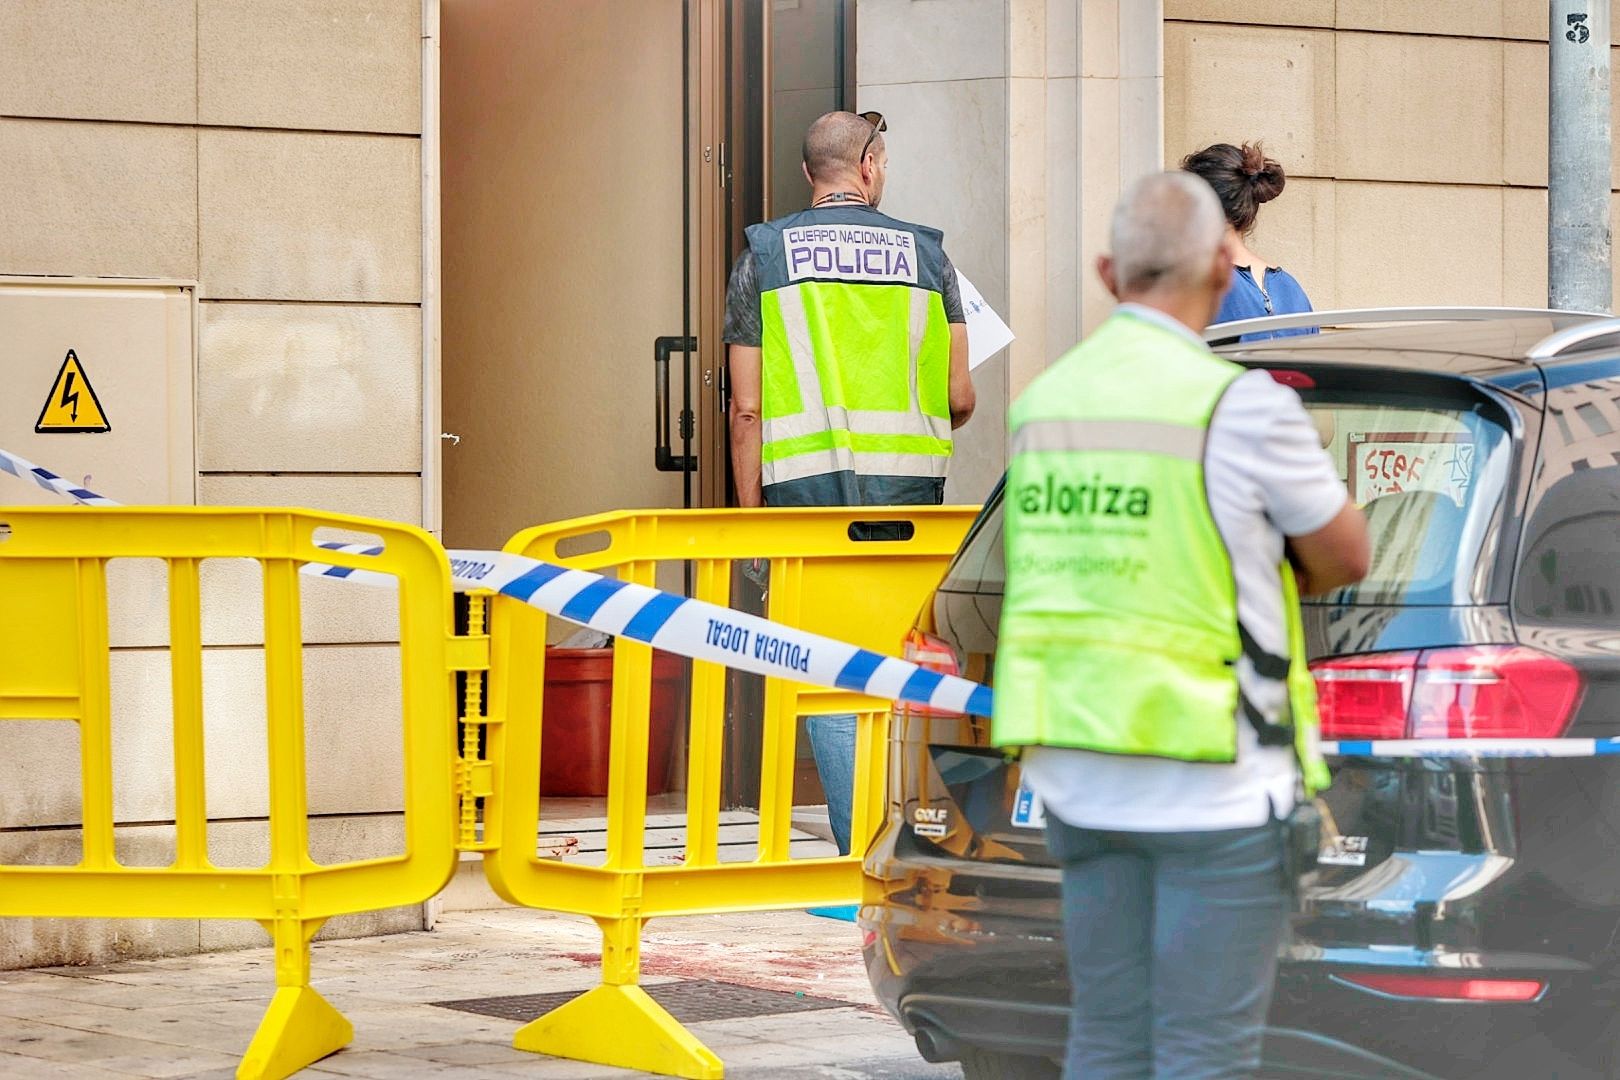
[
  {"x": 1431, "y": 481},
  {"x": 1429, "y": 478}
]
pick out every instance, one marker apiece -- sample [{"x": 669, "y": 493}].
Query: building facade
[{"x": 280, "y": 172}]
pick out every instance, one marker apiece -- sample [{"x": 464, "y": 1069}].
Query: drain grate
[{"x": 691, "y": 1001}]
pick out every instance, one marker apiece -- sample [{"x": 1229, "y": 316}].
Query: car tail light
[
  {"x": 1447, "y": 988},
  {"x": 1493, "y": 692},
  {"x": 1473, "y": 692},
  {"x": 1365, "y": 697},
  {"x": 930, "y": 653}
]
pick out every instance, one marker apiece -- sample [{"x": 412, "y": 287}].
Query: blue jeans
[
  {"x": 832, "y": 739},
  {"x": 1172, "y": 941}
]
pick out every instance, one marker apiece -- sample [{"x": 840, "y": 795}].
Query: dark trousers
[{"x": 1172, "y": 941}]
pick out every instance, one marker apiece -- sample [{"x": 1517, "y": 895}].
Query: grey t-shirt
[{"x": 742, "y": 325}]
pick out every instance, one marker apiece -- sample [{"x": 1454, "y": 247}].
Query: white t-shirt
[{"x": 1267, "y": 477}]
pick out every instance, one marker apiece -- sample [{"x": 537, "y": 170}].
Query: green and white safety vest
[
  {"x": 1120, "y": 631},
  {"x": 855, "y": 355}
]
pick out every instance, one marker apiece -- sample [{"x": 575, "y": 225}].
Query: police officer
[
  {"x": 1161, "y": 505},
  {"x": 848, "y": 364}
]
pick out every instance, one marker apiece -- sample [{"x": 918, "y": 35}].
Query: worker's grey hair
[{"x": 1166, "y": 230}]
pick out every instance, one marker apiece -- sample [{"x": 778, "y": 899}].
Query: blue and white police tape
[
  {"x": 693, "y": 628},
  {"x": 705, "y": 631},
  {"x": 351, "y": 574},
  {"x": 1471, "y": 748},
  {"x": 23, "y": 469}
]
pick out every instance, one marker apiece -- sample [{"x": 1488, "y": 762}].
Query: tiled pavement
[{"x": 192, "y": 1016}]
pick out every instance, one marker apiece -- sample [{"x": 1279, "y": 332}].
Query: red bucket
[{"x": 576, "y": 727}]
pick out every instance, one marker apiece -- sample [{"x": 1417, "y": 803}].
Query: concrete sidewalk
[{"x": 192, "y": 1016}]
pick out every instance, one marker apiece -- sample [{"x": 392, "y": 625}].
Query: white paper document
[{"x": 987, "y": 334}]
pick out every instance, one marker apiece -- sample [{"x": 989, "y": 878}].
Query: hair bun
[
  {"x": 1242, "y": 177},
  {"x": 1265, "y": 175}
]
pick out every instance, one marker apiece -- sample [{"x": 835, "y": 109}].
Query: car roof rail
[
  {"x": 1356, "y": 316},
  {"x": 1571, "y": 338}
]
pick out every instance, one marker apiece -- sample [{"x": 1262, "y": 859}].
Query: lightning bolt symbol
[{"x": 70, "y": 396}]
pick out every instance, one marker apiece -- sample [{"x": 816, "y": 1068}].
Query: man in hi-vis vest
[
  {"x": 1160, "y": 505},
  {"x": 848, "y": 363}
]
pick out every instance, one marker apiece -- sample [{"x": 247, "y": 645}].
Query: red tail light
[
  {"x": 1365, "y": 697},
  {"x": 1493, "y": 693},
  {"x": 1474, "y": 692},
  {"x": 929, "y": 652},
  {"x": 1447, "y": 988}
]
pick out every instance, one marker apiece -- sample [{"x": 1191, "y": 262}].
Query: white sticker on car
[
  {"x": 1028, "y": 810},
  {"x": 932, "y": 822},
  {"x": 1344, "y": 851}
]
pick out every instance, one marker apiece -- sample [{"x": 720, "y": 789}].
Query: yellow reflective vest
[{"x": 1120, "y": 630}]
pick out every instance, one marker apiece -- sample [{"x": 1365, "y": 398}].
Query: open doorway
[
  {"x": 600, "y": 162},
  {"x": 563, "y": 258}
]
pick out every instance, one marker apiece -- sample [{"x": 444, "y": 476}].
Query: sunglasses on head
[{"x": 878, "y": 124}]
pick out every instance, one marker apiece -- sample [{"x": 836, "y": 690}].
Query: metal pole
[{"x": 1579, "y": 273}]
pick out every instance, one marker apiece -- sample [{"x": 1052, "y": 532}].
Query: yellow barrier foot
[
  {"x": 299, "y": 1029},
  {"x": 620, "y": 1026}
]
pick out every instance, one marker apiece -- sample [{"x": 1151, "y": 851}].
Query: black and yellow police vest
[
  {"x": 855, "y": 353},
  {"x": 1120, "y": 631}
]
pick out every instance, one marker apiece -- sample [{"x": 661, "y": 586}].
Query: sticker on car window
[
  {"x": 1028, "y": 811},
  {"x": 1390, "y": 462}
]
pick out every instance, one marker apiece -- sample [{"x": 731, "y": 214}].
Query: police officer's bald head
[
  {"x": 845, "y": 152},
  {"x": 833, "y": 145},
  {"x": 1168, "y": 241}
]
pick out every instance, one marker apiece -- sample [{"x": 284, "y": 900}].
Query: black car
[{"x": 1465, "y": 920}]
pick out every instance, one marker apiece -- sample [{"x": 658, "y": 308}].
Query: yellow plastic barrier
[
  {"x": 861, "y": 591},
  {"x": 54, "y": 666}
]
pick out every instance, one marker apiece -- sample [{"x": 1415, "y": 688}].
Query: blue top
[{"x": 1282, "y": 296}]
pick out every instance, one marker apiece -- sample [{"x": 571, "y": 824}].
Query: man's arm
[
  {"x": 963, "y": 399},
  {"x": 742, "y": 337},
  {"x": 746, "y": 438},
  {"x": 1299, "y": 486},
  {"x": 1335, "y": 555}
]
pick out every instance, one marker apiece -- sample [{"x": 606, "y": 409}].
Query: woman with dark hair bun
[{"x": 1243, "y": 177}]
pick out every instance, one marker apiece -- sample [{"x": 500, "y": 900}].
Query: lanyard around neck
[{"x": 839, "y": 197}]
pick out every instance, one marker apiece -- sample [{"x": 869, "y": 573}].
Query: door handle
[{"x": 664, "y": 431}]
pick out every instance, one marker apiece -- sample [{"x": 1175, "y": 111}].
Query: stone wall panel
[
  {"x": 297, "y": 387},
  {"x": 1449, "y": 250},
  {"x": 1421, "y": 109},
  {"x": 350, "y": 66},
  {"x": 99, "y": 60},
  {"x": 294, "y": 216},
  {"x": 70, "y": 209},
  {"x": 1242, "y": 84}
]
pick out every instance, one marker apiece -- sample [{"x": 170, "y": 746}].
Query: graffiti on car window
[{"x": 1387, "y": 463}]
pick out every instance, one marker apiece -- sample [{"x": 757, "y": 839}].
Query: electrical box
[{"x": 97, "y": 385}]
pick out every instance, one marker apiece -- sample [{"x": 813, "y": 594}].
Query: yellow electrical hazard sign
[{"x": 72, "y": 406}]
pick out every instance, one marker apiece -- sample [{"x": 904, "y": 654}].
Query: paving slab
[{"x": 189, "y": 1018}]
